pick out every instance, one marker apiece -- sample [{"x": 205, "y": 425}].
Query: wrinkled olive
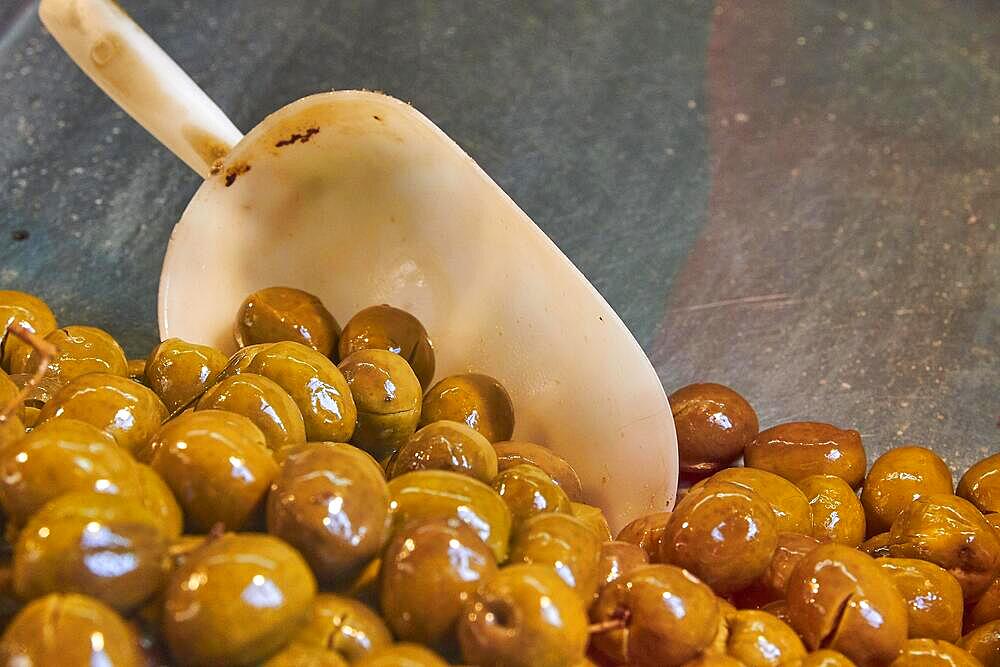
[
  {"x": 933, "y": 597},
  {"x": 276, "y": 314},
  {"x": 896, "y": 479},
  {"x": 798, "y": 449},
  {"x": 837, "y": 514},
  {"x": 714, "y": 423},
  {"x": 446, "y": 445},
  {"x": 473, "y": 398},
  {"x": 179, "y": 371},
  {"x": 387, "y": 328},
  {"x": 345, "y": 626},
  {"x": 511, "y": 453}
]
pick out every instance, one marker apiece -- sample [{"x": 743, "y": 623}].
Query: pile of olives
[{"x": 316, "y": 499}]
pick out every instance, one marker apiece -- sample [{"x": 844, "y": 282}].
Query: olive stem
[{"x": 46, "y": 353}]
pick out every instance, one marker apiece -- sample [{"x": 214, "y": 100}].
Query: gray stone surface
[{"x": 795, "y": 197}]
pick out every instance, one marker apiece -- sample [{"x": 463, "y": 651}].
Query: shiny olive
[
  {"x": 726, "y": 612},
  {"x": 387, "y": 395},
  {"x": 387, "y": 328},
  {"x": 345, "y": 626},
  {"x": 877, "y": 546},
  {"x": 528, "y": 491},
  {"x": 298, "y": 654},
  {"x": 473, "y": 398},
  {"x": 179, "y": 371},
  {"x": 593, "y": 517},
  {"x": 986, "y": 608},
  {"x": 31, "y": 313},
  {"x": 798, "y": 449},
  {"x": 440, "y": 494},
  {"x": 446, "y": 445},
  {"x": 933, "y": 597},
  {"x": 669, "y": 617},
  {"x": 330, "y": 502},
  {"x": 714, "y": 423},
  {"x": 723, "y": 533},
  {"x": 62, "y": 456},
  {"x": 403, "y": 655},
  {"x": 108, "y": 547},
  {"x": 524, "y": 616},
  {"x": 823, "y": 658},
  {"x": 9, "y": 392},
  {"x": 757, "y": 638},
  {"x": 315, "y": 384},
  {"x": 791, "y": 507},
  {"x": 241, "y": 360},
  {"x": 896, "y": 479},
  {"x": 69, "y": 630},
  {"x": 618, "y": 559},
  {"x": 137, "y": 370},
  {"x": 262, "y": 401},
  {"x": 646, "y": 533},
  {"x": 158, "y": 499},
  {"x": 564, "y": 543},
  {"x": 771, "y": 585},
  {"x": 511, "y": 453},
  {"x": 81, "y": 350},
  {"x": 933, "y": 653},
  {"x": 217, "y": 464},
  {"x": 837, "y": 514},
  {"x": 949, "y": 531},
  {"x": 840, "y": 598},
  {"x": 128, "y": 411},
  {"x": 236, "y": 600},
  {"x": 983, "y": 644},
  {"x": 276, "y": 314},
  {"x": 444, "y": 561},
  {"x": 980, "y": 484}
]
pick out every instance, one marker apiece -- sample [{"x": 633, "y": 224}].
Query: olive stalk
[{"x": 46, "y": 353}]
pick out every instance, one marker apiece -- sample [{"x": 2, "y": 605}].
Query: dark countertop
[{"x": 799, "y": 198}]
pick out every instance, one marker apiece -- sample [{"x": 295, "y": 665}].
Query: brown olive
[
  {"x": 264, "y": 402},
  {"x": 723, "y": 533},
  {"x": 980, "y": 484},
  {"x": 331, "y": 502},
  {"x": 446, "y": 445},
  {"x": 933, "y": 653},
  {"x": 364, "y": 587},
  {"x": 344, "y": 626},
  {"x": 158, "y": 499},
  {"x": 933, "y": 597},
  {"x": 179, "y": 371},
  {"x": 564, "y": 543},
  {"x": 28, "y": 311},
  {"x": 877, "y": 546},
  {"x": 896, "y": 479},
  {"x": 949, "y": 531},
  {"x": 298, "y": 654},
  {"x": 528, "y": 491},
  {"x": 796, "y": 450},
  {"x": 593, "y": 517},
  {"x": 236, "y": 600},
  {"x": 276, "y": 314},
  {"x": 759, "y": 639},
  {"x": 68, "y": 630},
  {"x": 714, "y": 423},
  {"x": 779, "y": 609},
  {"x": 619, "y": 559},
  {"x": 473, "y": 398},
  {"x": 243, "y": 357},
  {"x": 984, "y": 644},
  {"x": 81, "y": 350},
  {"x": 837, "y": 514},
  {"x": 986, "y": 608},
  {"x": 771, "y": 585},
  {"x": 646, "y": 533},
  {"x": 994, "y": 520},
  {"x": 511, "y": 453},
  {"x": 790, "y": 505},
  {"x": 387, "y": 328},
  {"x": 668, "y": 616},
  {"x": 403, "y": 655},
  {"x": 840, "y": 598}
]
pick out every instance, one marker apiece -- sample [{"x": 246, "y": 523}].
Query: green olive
[
  {"x": 791, "y": 507},
  {"x": 524, "y": 616},
  {"x": 759, "y": 639},
  {"x": 158, "y": 499},
  {"x": 933, "y": 597},
  {"x": 179, "y": 371},
  {"x": 473, "y": 398},
  {"x": 403, "y": 655},
  {"x": 262, "y": 401},
  {"x": 387, "y": 328},
  {"x": 528, "y": 491},
  {"x": 837, "y": 514},
  {"x": 933, "y": 652},
  {"x": 980, "y": 484},
  {"x": 983, "y": 644},
  {"x": 81, "y": 350},
  {"x": 276, "y": 314},
  {"x": 297, "y": 654},
  {"x": 330, "y": 502},
  {"x": 798, "y": 449},
  {"x": 128, "y": 411},
  {"x": 896, "y": 479},
  {"x": 593, "y": 517},
  {"x": 344, "y": 626},
  {"x": 446, "y": 445},
  {"x": 714, "y": 423},
  {"x": 646, "y": 533},
  {"x": 31, "y": 313},
  {"x": 236, "y": 600},
  {"x": 511, "y": 453},
  {"x": 564, "y": 543}
]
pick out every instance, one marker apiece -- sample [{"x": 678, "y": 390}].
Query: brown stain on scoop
[
  {"x": 205, "y": 144},
  {"x": 298, "y": 137},
  {"x": 233, "y": 172}
]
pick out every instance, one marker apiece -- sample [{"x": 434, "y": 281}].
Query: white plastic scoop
[{"x": 358, "y": 198}]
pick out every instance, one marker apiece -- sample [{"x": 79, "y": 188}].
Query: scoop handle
[{"x": 145, "y": 82}]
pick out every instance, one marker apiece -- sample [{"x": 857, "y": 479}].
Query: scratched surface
[{"x": 798, "y": 198}]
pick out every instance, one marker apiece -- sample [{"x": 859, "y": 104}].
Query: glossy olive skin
[
  {"x": 758, "y": 638},
  {"x": 386, "y": 328},
  {"x": 8, "y": 392},
  {"x": 297, "y": 654},
  {"x": 276, "y": 314},
  {"x": 108, "y": 547},
  {"x": 986, "y": 608},
  {"x": 714, "y": 423},
  {"x": 403, "y": 655},
  {"x": 713, "y": 659},
  {"x": 618, "y": 559},
  {"x": 137, "y": 370},
  {"x": 896, "y": 479},
  {"x": 62, "y": 456},
  {"x": 594, "y": 518},
  {"x": 339, "y": 519},
  {"x": 949, "y": 531},
  {"x": 440, "y": 494},
  {"x": 528, "y": 491},
  {"x": 984, "y": 644},
  {"x": 475, "y": 399},
  {"x": 236, "y": 600},
  {"x": 789, "y": 503},
  {"x": 345, "y": 626},
  {"x": 512, "y": 452},
  {"x": 443, "y": 561},
  {"x": 60, "y": 630},
  {"x": 217, "y": 464},
  {"x": 646, "y": 532},
  {"x": 159, "y": 500},
  {"x": 839, "y": 598},
  {"x": 674, "y": 616},
  {"x": 81, "y": 350},
  {"x": 771, "y": 585},
  {"x": 933, "y": 597},
  {"x": 179, "y": 371},
  {"x": 795, "y": 450},
  {"x": 724, "y": 534},
  {"x": 128, "y": 411},
  {"x": 31, "y": 313},
  {"x": 980, "y": 484},
  {"x": 933, "y": 653},
  {"x": 877, "y": 546},
  {"x": 524, "y": 616},
  {"x": 241, "y": 360},
  {"x": 315, "y": 384},
  {"x": 822, "y": 658},
  {"x": 262, "y": 401},
  {"x": 837, "y": 514},
  {"x": 446, "y": 445},
  {"x": 564, "y": 543}
]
